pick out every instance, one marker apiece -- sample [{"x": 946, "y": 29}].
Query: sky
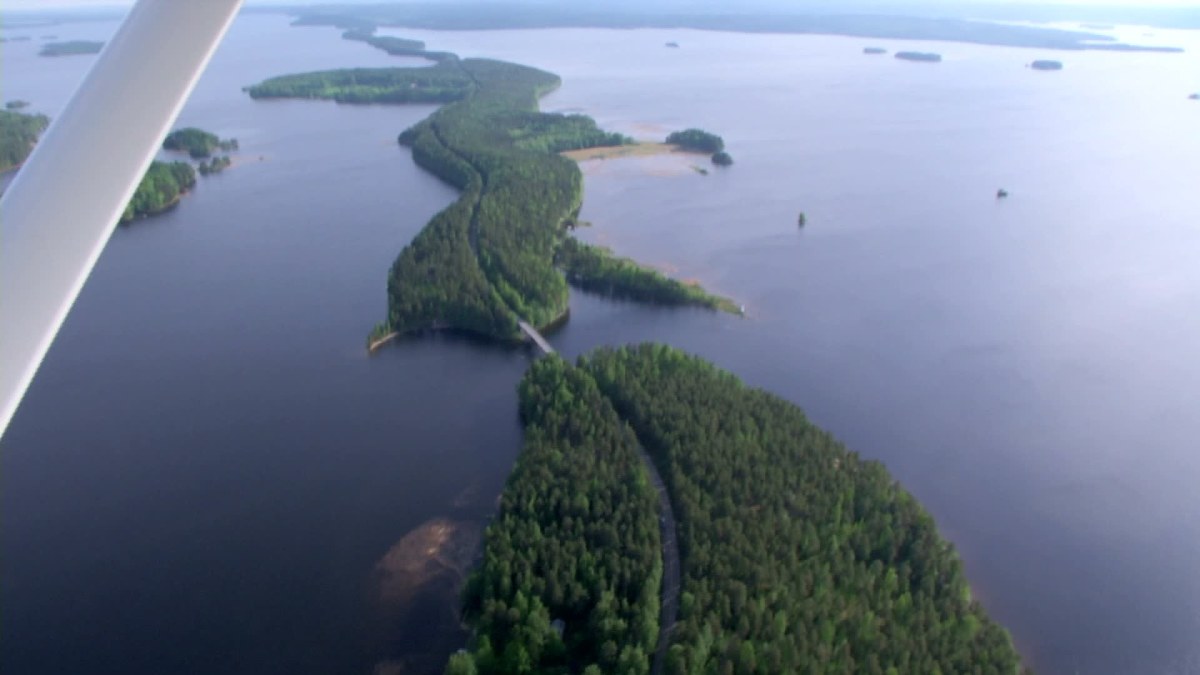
[{"x": 51, "y": 4}]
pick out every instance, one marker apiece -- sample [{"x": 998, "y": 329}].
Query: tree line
[
  {"x": 198, "y": 143},
  {"x": 440, "y": 83},
  {"x": 596, "y": 269},
  {"x": 570, "y": 576}
]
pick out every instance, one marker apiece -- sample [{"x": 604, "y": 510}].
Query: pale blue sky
[{"x": 52, "y": 4}]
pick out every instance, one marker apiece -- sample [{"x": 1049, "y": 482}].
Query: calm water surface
[{"x": 208, "y": 467}]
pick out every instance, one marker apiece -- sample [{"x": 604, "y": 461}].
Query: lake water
[{"x": 208, "y": 467}]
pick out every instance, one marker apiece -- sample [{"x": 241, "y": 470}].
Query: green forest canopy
[
  {"x": 596, "y": 269},
  {"x": 698, "y": 140},
  {"x": 160, "y": 189},
  {"x": 488, "y": 259},
  {"x": 198, "y": 143},
  {"x": 18, "y": 134},
  {"x": 576, "y": 540},
  {"x": 797, "y": 555}
]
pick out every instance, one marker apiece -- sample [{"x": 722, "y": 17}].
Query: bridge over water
[{"x": 537, "y": 338}]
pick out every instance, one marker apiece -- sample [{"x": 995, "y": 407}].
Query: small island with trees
[
  {"x": 71, "y": 48},
  {"x": 18, "y": 134},
  {"x": 160, "y": 190},
  {"x": 165, "y": 183},
  {"x": 16, "y": 104},
  {"x": 197, "y": 143},
  {"x": 1046, "y": 64},
  {"x": 214, "y": 165},
  {"x": 874, "y": 50},
  {"x": 698, "y": 140},
  {"x": 920, "y": 57}
]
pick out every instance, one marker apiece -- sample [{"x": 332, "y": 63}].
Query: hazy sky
[
  {"x": 47, "y": 4},
  {"x": 792, "y": 4}
]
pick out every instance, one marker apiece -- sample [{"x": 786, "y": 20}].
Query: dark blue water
[{"x": 208, "y": 466}]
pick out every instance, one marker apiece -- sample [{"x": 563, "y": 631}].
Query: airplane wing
[{"x": 61, "y": 208}]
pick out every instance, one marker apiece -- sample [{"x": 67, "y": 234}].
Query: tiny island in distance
[
  {"x": 920, "y": 57},
  {"x": 71, "y": 48},
  {"x": 1046, "y": 64}
]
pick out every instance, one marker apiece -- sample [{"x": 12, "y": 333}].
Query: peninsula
[
  {"x": 796, "y": 555},
  {"x": 490, "y": 259}
]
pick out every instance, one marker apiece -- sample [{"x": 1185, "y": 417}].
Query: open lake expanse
[{"x": 210, "y": 474}]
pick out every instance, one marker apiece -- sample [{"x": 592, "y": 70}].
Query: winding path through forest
[{"x": 671, "y": 570}]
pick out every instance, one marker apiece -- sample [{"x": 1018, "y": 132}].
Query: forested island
[
  {"x": 698, "y": 140},
  {"x": 197, "y": 143},
  {"x": 922, "y": 57},
  {"x": 18, "y": 134},
  {"x": 874, "y": 50},
  {"x": 490, "y": 259},
  {"x": 1045, "y": 64},
  {"x": 442, "y": 83},
  {"x": 214, "y": 165},
  {"x": 16, "y": 104},
  {"x": 160, "y": 189},
  {"x": 797, "y": 555},
  {"x": 71, "y": 48}
]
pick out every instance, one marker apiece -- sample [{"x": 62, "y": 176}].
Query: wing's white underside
[{"x": 62, "y": 206}]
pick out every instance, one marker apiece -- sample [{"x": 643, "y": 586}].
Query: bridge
[{"x": 537, "y": 338}]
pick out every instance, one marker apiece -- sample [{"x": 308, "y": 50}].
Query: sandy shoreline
[{"x": 640, "y": 149}]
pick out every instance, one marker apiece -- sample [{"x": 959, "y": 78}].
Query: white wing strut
[{"x": 62, "y": 206}]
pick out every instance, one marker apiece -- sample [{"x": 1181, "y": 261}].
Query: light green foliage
[
  {"x": 18, "y": 133},
  {"x": 596, "y": 269},
  {"x": 461, "y": 664}
]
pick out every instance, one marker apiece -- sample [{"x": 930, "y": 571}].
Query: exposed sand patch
[{"x": 437, "y": 549}]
